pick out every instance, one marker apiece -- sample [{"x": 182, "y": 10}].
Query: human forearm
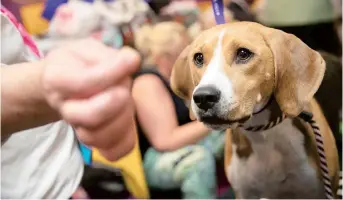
[
  {"x": 183, "y": 135},
  {"x": 23, "y": 105}
]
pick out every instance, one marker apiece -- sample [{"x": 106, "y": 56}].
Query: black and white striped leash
[{"x": 307, "y": 117}]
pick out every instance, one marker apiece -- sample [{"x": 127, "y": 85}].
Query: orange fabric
[
  {"x": 132, "y": 168},
  {"x": 204, "y": 5},
  {"x": 32, "y": 19}
]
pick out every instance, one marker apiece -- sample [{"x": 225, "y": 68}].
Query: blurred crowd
[{"x": 173, "y": 156}]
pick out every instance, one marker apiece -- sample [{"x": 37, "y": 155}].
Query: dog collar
[{"x": 269, "y": 125}]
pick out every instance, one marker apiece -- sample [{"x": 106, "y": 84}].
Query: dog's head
[{"x": 232, "y": 70}]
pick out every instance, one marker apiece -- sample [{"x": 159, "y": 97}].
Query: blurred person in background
[
  {"x": 165, "y": 130},
  {"x": 86, "y": 84},
  {"x": 241, "y": 9},
  {"x": 313, "y": 21}
]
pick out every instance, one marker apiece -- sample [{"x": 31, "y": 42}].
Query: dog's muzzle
[{"x": 206, "y": 97}]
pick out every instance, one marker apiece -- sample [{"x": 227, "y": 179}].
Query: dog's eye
[
  {"x": 243, "y": 54},
  {"x": 198, "y": 59}
]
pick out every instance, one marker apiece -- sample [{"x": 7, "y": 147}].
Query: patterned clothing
[{"x": 192, "y": 168}]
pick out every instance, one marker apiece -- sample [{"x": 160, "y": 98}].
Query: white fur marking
[
  {"x": 260, "y": 104},
  {"x": 216, "y": 76},
  {"x": 268, "y": 75},
  {"x": 259, "y": 97}
]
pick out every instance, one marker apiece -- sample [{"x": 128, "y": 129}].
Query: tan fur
[
  {"x": 302, "y": 76},
  {"x": 282, "y": 65},
  {"x": 244, "y": 149},
  {"x": 297, "y": 83},
  {"x": 236, "y": 35},
  {"x": 180, "y": 80}
]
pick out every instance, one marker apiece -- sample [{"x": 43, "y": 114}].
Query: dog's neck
[{"x": 268, "y": 111}]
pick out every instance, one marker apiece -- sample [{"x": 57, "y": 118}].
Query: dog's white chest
[{"x": 277, "y": 168}]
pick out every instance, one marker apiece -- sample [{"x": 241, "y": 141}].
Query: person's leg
[{"x": 191, "y": 168}]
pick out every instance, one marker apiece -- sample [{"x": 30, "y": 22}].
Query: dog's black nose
[{"x": 206, "y": 97}]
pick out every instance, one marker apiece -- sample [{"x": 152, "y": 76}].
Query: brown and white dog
[{"x": 243, "y": 75}]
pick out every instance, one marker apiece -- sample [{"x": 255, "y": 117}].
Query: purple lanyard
[{"x": 218, "y": 11}]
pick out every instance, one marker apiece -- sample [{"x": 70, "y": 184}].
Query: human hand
[{"x": 89, "y": 85}]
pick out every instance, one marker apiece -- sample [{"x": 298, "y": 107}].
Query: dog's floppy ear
[
  {"x": 181, "y": 80},
  {"x": 299, "y": 71}
]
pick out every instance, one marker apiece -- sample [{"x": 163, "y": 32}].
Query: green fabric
[
  {"x": 191, "y": 169},
  {"x": 296, "y": 12},
  {"x": 215, "y": 142}
]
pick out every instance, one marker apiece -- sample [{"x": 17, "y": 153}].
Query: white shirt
[{"x": 43, "y": 162}]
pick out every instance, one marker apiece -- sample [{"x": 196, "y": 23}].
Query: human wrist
[{"x": 23, "y": 102}]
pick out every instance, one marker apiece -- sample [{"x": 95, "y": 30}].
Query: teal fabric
[
  {"x": 192, "y": 168},
  {"x": 86, "y": 153},
  {"x": 215, "y": 142},
  {"x": 113, "y": 37}
]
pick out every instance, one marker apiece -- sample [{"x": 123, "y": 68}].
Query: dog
[{"x": 242, "y": 75}]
